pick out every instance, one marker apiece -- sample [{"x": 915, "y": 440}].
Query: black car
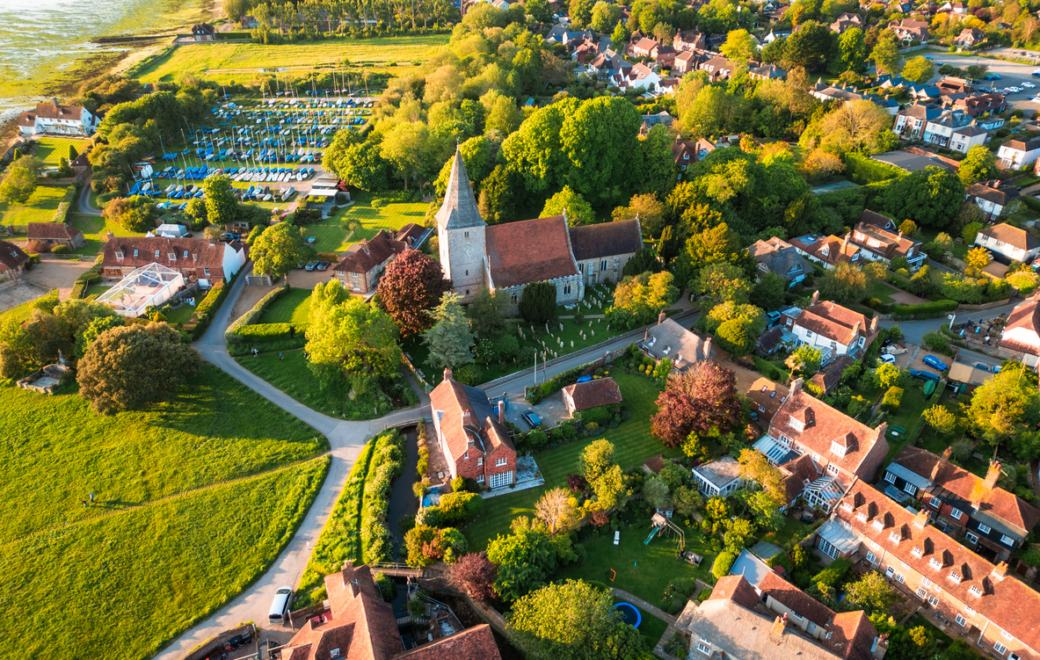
[
  {"x": 228, "y": 236},
  {"x": 324, "y": 265}
]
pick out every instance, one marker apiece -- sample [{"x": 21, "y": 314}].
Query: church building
[{"x": 508, "y": 257}]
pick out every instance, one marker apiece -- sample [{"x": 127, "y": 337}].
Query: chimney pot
[
  {"x": 447, "y": 374},
  {"x": 661, "y": 317},
  {"x": 502, "y": 412},
  {"x": 921, "y": 519},
  {"x": 796, "y": 386},
  {"x": 992, "y": 475},
  {"x": 1000, "y": 570}
]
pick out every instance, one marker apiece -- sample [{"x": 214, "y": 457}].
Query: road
[
  {"x": 914, "y": 331},
  {"x": 1010, "y": 74}
]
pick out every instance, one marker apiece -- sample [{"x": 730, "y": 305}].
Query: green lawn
[
  {"x": 40, "y": 207},
  {"x": 194, "y": 498},
  {"x": 879, "y": 290},
  {"x": 292, "y": 307},
  {"x": 650, "y": 627},
  {"x": 292, "y": 376},
  {"x": 633, "y": 444},
  {"x": 960, "y": 250},
  {"x": 95, "y": 229},
  {"x": 390, "y": 215},
  {"x": 95, "y": 290},
  {"x": 50, "y": 149},
  {"x": 910, "y": 410},
  {"x": 182, "y": 314},
  {"x": 21, "y": 312},
  {"x": 233, "y": 58}
]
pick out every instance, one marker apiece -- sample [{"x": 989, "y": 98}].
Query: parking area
[
  {"x": 1011, "y": 74},
  {"x": 919, "y": 363}
]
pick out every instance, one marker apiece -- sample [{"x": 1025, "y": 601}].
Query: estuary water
[{"x": 42, "y": 38}]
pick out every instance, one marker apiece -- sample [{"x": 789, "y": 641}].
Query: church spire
[{"x": 459, "y": 208}]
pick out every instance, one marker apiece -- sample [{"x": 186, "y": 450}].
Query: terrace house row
[
  {"x": 198, "y": 260},
  {"x": 993, "y": 610}
]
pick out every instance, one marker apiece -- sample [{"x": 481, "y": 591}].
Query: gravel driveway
[{"x": 50, "y": 274}]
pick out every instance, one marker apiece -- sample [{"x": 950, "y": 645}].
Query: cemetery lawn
[{"x": 194, "y": 498}]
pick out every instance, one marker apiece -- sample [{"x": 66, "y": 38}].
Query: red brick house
[
  {"x": 197, "y": 259},
  {"x": 55, "y": 234},
  {"x": 12, "y": 261},
  {"x": 591, "y": 394},
  {"x": 472, "y": 435},
  {"x": 361, "y": 268},
  {"x": 357, "y": 623}
]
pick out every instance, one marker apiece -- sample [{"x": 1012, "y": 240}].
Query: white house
[
  {"x": 1016, "y": 154},
  {"x": 718, "y": 478},
  {"x": 58, "y": 119},
  {"x": 833, "y": 329},
  {"x": 1021, "y": 333},
  {"x": 993, "y": 198},
  {"x": 1014, "y": 243},
  {"x": 966, "y": 137},
  {"x": 939, "y": 131},
  {"x": 638, "y": 77}
]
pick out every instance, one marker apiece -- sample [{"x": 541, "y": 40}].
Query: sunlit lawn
[
  {"x": 51, "y": 149},
  {"x": 40, "y": 207},
  {"x": 95, "y": 230},
  {"x": 292, "y": 307}
]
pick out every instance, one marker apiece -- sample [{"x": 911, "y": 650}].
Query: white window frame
[
  {"x": 832, "y": 470},
  {"x": 926, "y": 583},
  {"x": 933, "y": 601},
  {"x": 910, "y": 488},
  {"x": 480, "y": 461},
  {"x": 704, "y": 646},
  {"x": 1006, "y": 635},
  {"x": 871, "y": 557},
  {"x": 890, "y": 478},
  {"x": 480, "y": 478},
  {"x": 1007, "y": 540},
  {"x": 922, "y": 593},
  {"x": 961, "y": 621},
  {"x": 975, "y": 591},
  {"x": 984, "y": 529},
  {"x": 956, "y": 513},
  {"x": 999, "y": 648},
  {"x": 499, "y": 462},
  {"x": 971, "y": 537},
  {"x": 934, "y": 502}
]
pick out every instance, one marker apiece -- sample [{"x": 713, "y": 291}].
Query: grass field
[
  {"x": 50, "y": 149},
  {"x": 293, "y": 307},
  {"x": 193, "y": 499},
  {"x": 183, "y": 314},
  {"x": 95, "y": 228},
  {"x": 633, "y": 444},
  {"x": 21, "y": 312},
  {"x": 331, "y": 233},
  {"x": 40, "y": 207},
  {"x": 242, "y": 59}
]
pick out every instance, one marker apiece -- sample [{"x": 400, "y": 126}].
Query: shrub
[
  {"x": 60, "y": 249},
  {"x": 388, "y": 459},
  {"x": 470, "y": 374},
  {"x": 251, "y": 317},
  {"x": 937, "y": 341},
  {"x": 723, "y": 563},
  {"x": 265, "y": 332},
  {"x": 457, "y": 508},
  {"x": 204, "y": 312},
  {"x": 930, "y": 310},
  {"x": 893, "y": 397}
]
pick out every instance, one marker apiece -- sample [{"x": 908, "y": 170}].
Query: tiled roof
[
  {"x": 11, "y": 256},
  {"x": 137, "y": 252},
  {"x": 831, "y": 320},
  {"x": 51, "y": 231},
  {"x": 366, "y": 255},
  {"x": 766, "y": 397},
  {"x": 796, "y": 473},
  {"x": 467, "y": 420},
  {"x": 1023, "y": 145},
  {"x": 800, "y": 602},
  {"x": 594, "y": 393},
  {"x": 829, "y": 378},
  {"x": 995, "y": 502},
  {"x": 737, "y": 589},
  {"x": 1005, "y": 601},
  {"x": 55, "y": 110},
  {"x": 823, "y": 426},
  {"x": 837, "y": 249},
  {"x": 606, "y": 240},
  {"x": 1025, "y": 315},
  {"x": 852, "y": 635},
  {"x": 529, "y": 251},
  {"x": 1005, "y": 233},
  {"x": 476, "y": 643},
  {"x": 668, "y": 339}
]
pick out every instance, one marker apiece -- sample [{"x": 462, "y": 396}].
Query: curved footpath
[
  {"x": 84, "y": 200},
  {"x": 346, "y": 440}
]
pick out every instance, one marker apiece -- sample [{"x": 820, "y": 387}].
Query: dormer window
[
  {"x": 955, "y": 577},
  {"x": 895, "y": 537},
  {"x": 975, "y": 591},
  {"x": 861, "y": 516},
  {"x": 185, "y": 254},
  {"x": 156, "y": 254},
  {"x": 917, "y": 552},
  {"x": 847, "y": 506},
  {"x": 120, "y": 254},
  {"x": 935, "y": 563},
  {"x": 837, "y": 449},
  {"x": 878, "y": 525}
]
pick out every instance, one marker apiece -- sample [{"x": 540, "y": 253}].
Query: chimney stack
[
  {"x": 646, "y": 335},
  {"x": 1000, "y": 570},
  {"x": 502, "y": 412},
  {"x": 447, "y": 374},
  {"x": 900, "y": 235},
  {"x": 855, "y": 329},
  {"x": 815, "y": 297},
  {"x": 779, "y": 625},
  {"x": 921, "y": 519},
  {"x": 879, "y": 648},
  {"x": 661, "y": 317},
  {"x": 992, "y": 475},
  {"x": 943, "y": 461},
  {"x": 796, "y": 386},
  {"x": 873, "y": 325},
  {"x": 707, "y": 348}
]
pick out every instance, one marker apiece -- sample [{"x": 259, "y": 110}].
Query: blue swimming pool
[{"x": 629, "y": 614}]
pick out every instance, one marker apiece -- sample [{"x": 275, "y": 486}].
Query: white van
[{"x": 279, "y": 613}]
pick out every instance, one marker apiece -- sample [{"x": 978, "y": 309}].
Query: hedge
[
  {"x": 863, "y": 169},
  {"x": 723, "y": 563},
  {"x": 204, "y": 312},
  {"x": 233, "y": 334},
  {"x": 556, "y": 383},
  {"x": 85, "y": 280},
  {"x": 238, "y": 350},
  {"x": 388, "y": 461},
  {"x": 930, "y": 310},
  {"x": 265, "y": 332}
]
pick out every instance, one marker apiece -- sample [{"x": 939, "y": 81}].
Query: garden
[
  {"x": 40, "y": 208},
  {"x": 51, "y": 149},
  {"x": 145, "y": 504}
]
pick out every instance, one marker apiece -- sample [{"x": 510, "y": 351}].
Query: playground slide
[{"x": 652, "y": 535}]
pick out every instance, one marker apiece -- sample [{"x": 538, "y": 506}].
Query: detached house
[
  {"x": 970, "y": 37},
  {"x": 911, "y": 121},
  {"x": 12, "y": 261},
  {"x": 910, "y": 29},
  {"x": 878, "y": 239},
  {"x": 829, "y": 250},
  {"x": 980, "y": 104},
  {"x": 55, "y": 233},
  {"x": 1022, "y": 331},
  {"x": 591, "y": 394},
  {"x": 991, "y": 520},
  {"x": 688, "y": 152},
  {"x": 778, "y": 256},
  {"x": 689, "y": 40},
  {"x": 203, "y": 32},
  {"x": 1012, "y": 243},
  {"x": 994, "y": 199},
  {"x": 668, "y": 339},
  {"x": 473, "y": 438},
  {"x": 198, "y": 260},
  {"x": 1016, "y": 154},
  {"x": 57, "y": 119},
  {"x": 364, "y": 263},
  {"x": 833, "y": 329}
]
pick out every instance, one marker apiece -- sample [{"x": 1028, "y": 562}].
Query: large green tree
[
  {"x": 979, "y": 164},
  {"x": 930, "y": 197},
  {"x": 129, "y": 367},
  {"x": 809, "y": 46},
  {"x": 601, "y": 143},
  {"x": 573, "y": 205},
  {"x": 1005, "y": 405},
  {"x": 279, "y": 250},
  {"x": 538, "y": 303},
  {"x": 221, "y": 205},
  {"x": 526, "y": 560},
  {"x": 450, "y": 340},
  {"x": 886, "y": 56},
  {"x": 852, "y": 50},
  {"x": 845, "y": 284},
  {"x": 918, "y": 70},
  {"x": 17, "y": 186},
  {"x": 739, "y": 45}
]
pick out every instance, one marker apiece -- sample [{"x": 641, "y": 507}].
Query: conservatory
[{"x": 148, "y": 286}]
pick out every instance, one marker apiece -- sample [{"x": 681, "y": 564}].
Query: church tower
[{"x": 460, "y": 232}]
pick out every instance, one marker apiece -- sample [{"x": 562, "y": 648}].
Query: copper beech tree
[
  {"x": 411, "y": 286},
  {"x": 703, "y": 401}
]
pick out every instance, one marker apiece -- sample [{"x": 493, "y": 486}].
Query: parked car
[
  {"x": 893, "y": 350},
  {"x": 311, "y": 266},
  {"x": 991, "y": 76},
  {"x": 887, "y": 359},
  {"x": 324, "y": 265},
  {"x": 228, "y": 236},
  {"x": 532, "y": 419},
  {"x": 1027, "y": 85},
  {"x": 935, "y": 363},
  {"x": 923, "y": 375},
  {"x": 280, "y": 606}
]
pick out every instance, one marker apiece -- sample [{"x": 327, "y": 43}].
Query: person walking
[
  {"x": 92, "y": 498},
  {"x": 281, "y": 356}
]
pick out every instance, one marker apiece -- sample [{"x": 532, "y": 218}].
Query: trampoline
[{"x": 629, "y": 614}]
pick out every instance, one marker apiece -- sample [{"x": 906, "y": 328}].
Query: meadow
[{"x": 40, "y": 207}]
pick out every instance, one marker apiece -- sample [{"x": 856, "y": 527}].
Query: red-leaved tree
[
  {"x": 412, "y": 284},
  {"x": 475, "y": 575},
  {"x": 702, "y": 399}
]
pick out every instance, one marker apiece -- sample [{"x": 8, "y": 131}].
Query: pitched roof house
[
  {"x": 1012, "y": 243},
  {"x": 842, "y": 449},
  {"x": 1022, "y": 330},
  {"x": 12, "y": 261},
  {"x": 778, "y": 256},
  {"x": 363, "y": 265},
  {"x": 195, "y": 258},
  {"x": 58, "y": 119},
  {"x": 978, "y": 598},
  {"x": 766, "y": 398},
  {"x": 1015, "y": 154},
  {"x": 970, "y": 37},
  {"x": 591, "y": 394},
  {"x": 688, "y": 40},
  {"x": 55, "y": 233},
  {"x": 833, "y": 329},
  {"x": 670, "y": 340},
  {"x": 358, "y": 624},
  {"x": 829, "y": 251},
  {"x": 688, "y": 152},
  {"x": 471, "y": 435},
  {"x": 961, "y": 503},
  {"x": 879, "y": 239},
  {"x": 978, "y": 104}
]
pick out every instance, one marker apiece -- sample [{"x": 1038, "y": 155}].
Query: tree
[
  {"x": 18, "y": 185},
  {"x": 871, "y": 592},
  {"x": 136, "y": 213},
  {"x": 407, "y": 147},
  {"x": 978, "y": 258},
  {"x": 639, "y": 298},
  {"x": 804, "y": 360},
  {"x": 655, "y": 492},
  {"x": 359, "y": 164},
  {"x": 809, "y": 46},
  {"x": 886, "y": 55},
  {"x": 609, "y": 488},
  {"x": 918, "y": 70},
  {"x": 619, "y": 37},
  {"x": 723, "y": 282},
  {"x": 539, "y": 10},
  {"x": 581, "y": 12},
  {"x": 1005, "y": 404},
  {"x": 908, "y": 227},
  {"x": 888, "y": 375},
  {"x": 279, "y": 250},
  {"x": 755, "y": 467},
  {"x": 739, "y": 45},
  {"x": 221, "y": 205},
  {"x": 846, "y": 284},
  {"x": 572, "y": 205},
  {"x": 487, "y": 313},
  {"x": 854, "y": 126},
  {"x": 73, "y": 154},
  {"x": 820, "y": 163},
  {"x": 599, "y": 140},
  {"x": 768, "y": 292},
  {"x": 450, "y": 340},
  {"x": 605, "y": 16},
  {"x": 556, "y": 510},
  {"x": 702, "y": 400},
  {"x": 475, "y": 575},
  {"x": 411, "y": 286},
  {"x": 526, "y": 559},
  {"x": 980, "y": 164},
  {"x": 941, "y": 419},
  {"x": 497, "y": 201},
  {"x": 651, "y": 212},
  {"x": 538, "y": 303},
  {"x": 347, "y": 337},
  {"x": 852, "y": 50},
  {"x": 737, "y": 337},
  {"x": 723, "y": 562},
  {"x": 573, "y": 620},
  {"x": 596, "y": 459},
  {"x": 129, "y": 367}
]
